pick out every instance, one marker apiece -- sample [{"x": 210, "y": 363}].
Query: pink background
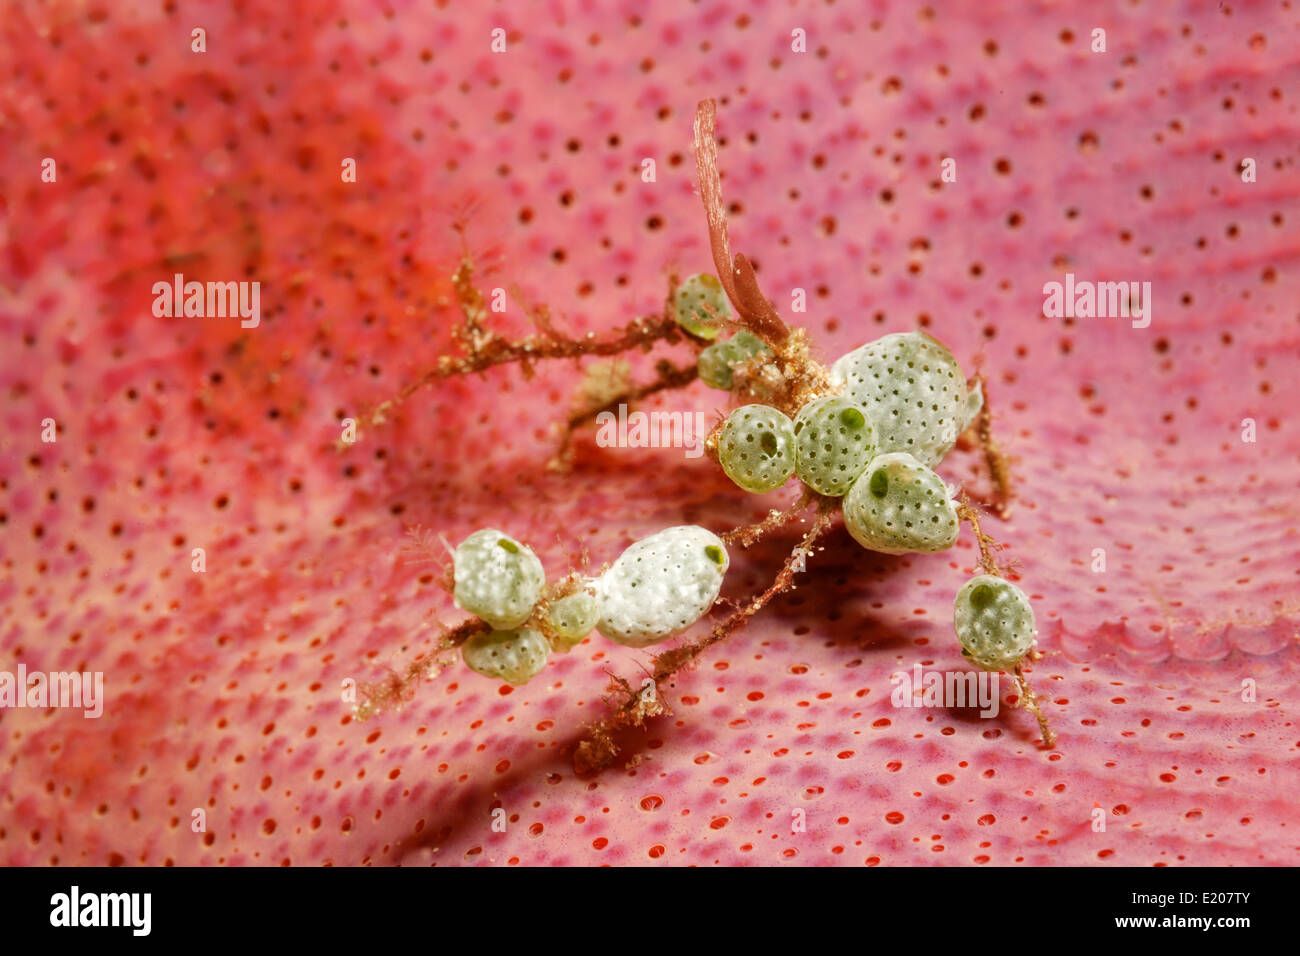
[{"x": 223, "y": 687}]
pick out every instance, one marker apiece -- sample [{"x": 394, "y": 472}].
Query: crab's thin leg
[
  {"x": 669, "y": 377},
  {"x": 747, "y": 535},
  {"x": 397, "y": 688},
  {"x": 994, "y": 459},
  {"x": 485, "y": 349},
  {"x": 966, "y": 511},
  {"x": 1029, "y": 700}
]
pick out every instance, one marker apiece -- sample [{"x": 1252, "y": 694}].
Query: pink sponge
[{"x": 1167, "y": 675}]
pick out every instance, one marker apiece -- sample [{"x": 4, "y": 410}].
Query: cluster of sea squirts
[{"x": 902, "y": 402}]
